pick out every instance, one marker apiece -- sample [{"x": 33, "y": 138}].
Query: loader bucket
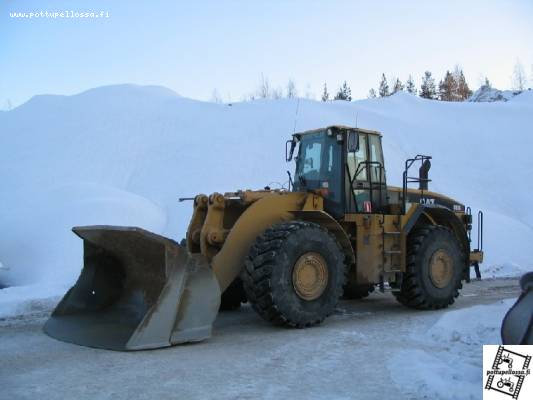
[{"x": 137, "y": 290}]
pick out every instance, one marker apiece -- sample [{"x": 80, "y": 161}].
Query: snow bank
[
  {"x": 124, "y": 154},
  {"x": 23, "y": 300},
  {"x": 472, "y": 326},
  {"x": 488, "y": 94},
  {"x": 446, "y": 361}
]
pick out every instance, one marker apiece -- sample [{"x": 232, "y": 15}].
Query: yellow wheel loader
[{"x": 337, "y": 230}]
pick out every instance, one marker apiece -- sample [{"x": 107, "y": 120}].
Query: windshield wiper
[{"x": 302, "y": 179}]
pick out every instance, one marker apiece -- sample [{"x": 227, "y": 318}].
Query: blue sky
[{"x": 195, "y": 47}]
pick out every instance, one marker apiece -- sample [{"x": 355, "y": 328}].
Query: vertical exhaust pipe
[{"x": 423, "y": 175}]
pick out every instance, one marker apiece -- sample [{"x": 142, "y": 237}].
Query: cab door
[
  {"x": 358, "y": 187},
  {"x": 366, "y": 189},
  {"x": 332, "y": 174}
]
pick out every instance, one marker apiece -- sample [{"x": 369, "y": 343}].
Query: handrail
[
  {"x": 366, "y": 165},
  {"x": 480, "y": 230},
  {"x": 409, "y": 179}
]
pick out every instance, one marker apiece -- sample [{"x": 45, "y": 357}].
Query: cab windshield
[{"x": 315, "y": 162}]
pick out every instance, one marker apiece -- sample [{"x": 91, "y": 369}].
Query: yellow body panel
[{"x": 258, "y": 217}]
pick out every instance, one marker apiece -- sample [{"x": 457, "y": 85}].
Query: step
[
  {"x": 393, "y": 233},
  {"x": 391, "y": 268},
  {"x": 392, "y": 252}
]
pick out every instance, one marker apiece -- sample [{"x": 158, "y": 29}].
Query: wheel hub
[
  {"x": 310, "y": 276},
  {"x": 440, "y": 269}
]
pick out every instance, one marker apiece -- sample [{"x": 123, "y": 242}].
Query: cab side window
[
  {"x": 356, "y": 160},
  {"x": 376, "y": 156},
  {"x": 311, "y": 165}
]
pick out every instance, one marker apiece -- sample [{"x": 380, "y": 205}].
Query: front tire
[
  {"x": 294, "y": 274},
  {"x": 435, "y": 265}
]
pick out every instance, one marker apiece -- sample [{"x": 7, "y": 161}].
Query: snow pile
[
  {"x": 30, "y": 299},
  {"x": 445, "y": 362},
  {"x": 474, "y": 326},
  {"x": 489, "y": 94},
  {"x": 124, "y": 154}
]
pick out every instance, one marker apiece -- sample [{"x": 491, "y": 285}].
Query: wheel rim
[
  {"x": 440, "y": 269},
  {"x": 310, "y": 276}
]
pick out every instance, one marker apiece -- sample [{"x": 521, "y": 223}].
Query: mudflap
[{"x": 137, "y": 290}]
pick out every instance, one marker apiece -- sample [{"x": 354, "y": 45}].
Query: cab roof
[{"x": 371, "y": 132}]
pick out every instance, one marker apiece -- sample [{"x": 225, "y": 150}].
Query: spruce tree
[
  {"x": 325, "y": 94},
  {"x": 344, "y": 93},
  {"x": 347, "y": 91},
  {"x": 383, "y": 87},
  {"x": 410, "y": 85},
  {"x": 443, "y": 90},
  {"x": 398, "y": 86},
  {"x": 372, "y": 94},
  {"x": 427, "y": 89}
]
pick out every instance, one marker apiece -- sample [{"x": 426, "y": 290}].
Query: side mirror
[
  {"x": 353, "y": 141},
  {"x": 289, "y": 151}
]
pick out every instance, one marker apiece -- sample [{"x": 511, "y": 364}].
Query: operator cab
[{"x": 342, "y": 164}]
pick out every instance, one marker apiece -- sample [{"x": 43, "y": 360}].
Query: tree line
[{"x": 451, "y": 87}]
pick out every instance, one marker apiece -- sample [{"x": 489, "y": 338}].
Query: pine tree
[
  {"x": 325, "y": 93},
  {"x": 383, "y": 87},
  {"x": 372, "y": 94},
  {"x": 291, "y": 89},
  {"x": 487, "y": 83},
  {"x": 427, "y": 89},
  {"x": 410, "y": 85},
  {"x": 398, "y": 86},
  {"x": 463, "y": 92},
  {"x": 448, "y": 88},
  {"x": 344, "y": 93}
]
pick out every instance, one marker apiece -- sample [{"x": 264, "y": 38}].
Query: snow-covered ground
[
  {"x": 29, "y": 299},
  {"x": 124, "y": 154},
  {"x": 370, "y": 349},
  {"x": 447, "y": 356}
]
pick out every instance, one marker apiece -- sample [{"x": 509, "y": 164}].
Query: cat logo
[{"x": 425, "y": 200}]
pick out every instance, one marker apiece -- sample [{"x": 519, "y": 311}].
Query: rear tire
[
  {"x": 294, "y": 274},
  {"x": 435, "y": 265}
]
